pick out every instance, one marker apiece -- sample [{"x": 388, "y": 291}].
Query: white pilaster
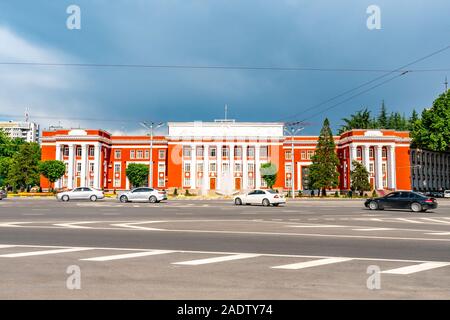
[
  {"x": 392, "y": 176},
  {"x": 70, "y": 175},
  {"x": 83, "y": 173},
  {"x": 378, "y": 170},
  {"x": 193, "y": 172},
  {"x": 231, "y": 164},
  {"x": 244, "y": 167},
  {"x": 353, "y": 155},
  {"x": 97, "y": 165},
  {"x": 58, "y": 157},
  {"x": 366, "y": 157},
  {"x": 257, "y": 167},
  {"x": 205, "y": 167},
  {"x": 219, "y": 167}
]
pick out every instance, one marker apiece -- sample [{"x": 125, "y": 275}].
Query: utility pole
[
  {"x": 151, "y": 127},
  {"x": 292, "y": 128}
]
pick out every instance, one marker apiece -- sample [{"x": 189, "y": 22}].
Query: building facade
[
  {"x": 430, "y": 170},
  {"x": 28, "y": 131},
  {"x": 222, "y": 157}
]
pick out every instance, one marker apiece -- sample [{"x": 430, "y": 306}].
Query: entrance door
[
  {"x": 237, "y": 184},
  {"x": 212, "y": 184},
  {"x": 78, "y": 183}
]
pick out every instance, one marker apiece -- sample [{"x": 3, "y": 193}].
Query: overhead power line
[
  {"x": 402, "y": 70},
  {"x": 220, "y": 67}
]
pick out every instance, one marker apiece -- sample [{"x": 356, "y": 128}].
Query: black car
[
  {"x": 3, "y": 194},
  {"x": 402, "y": 200}
]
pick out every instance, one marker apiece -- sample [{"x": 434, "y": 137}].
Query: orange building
[{"x": 221, "y": 156}]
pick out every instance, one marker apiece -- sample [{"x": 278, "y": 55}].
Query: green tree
[
  {"x": 269, "y": 173},
  {"x": 432, "y": 131},
  {"x": 412, "y": 120},
  {"x": 359, "y": 177},
  {"x": 23, "y": 171},
  {"x": 382, "y": 117},
  {"x": 323, "y": 171},
  {"x": 53, "y": 170},
  {"x": 137, "y": 174},
  {"x": 359, "y": 120}
]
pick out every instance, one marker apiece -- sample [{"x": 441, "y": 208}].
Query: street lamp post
[
  {"x": 292, "y": 130},
  {"x": 151, "y": 127}
]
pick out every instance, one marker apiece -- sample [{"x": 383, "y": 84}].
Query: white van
[{"x": 447, "y": 194}]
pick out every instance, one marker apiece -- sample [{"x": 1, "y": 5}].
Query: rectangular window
[
  {"x": 371, "y": 168},
  {"x": 303, "y": 155},
  {"x": 263, "y": 183},
  {"x": 78, "y": 167},
  {"x": 251, "y": 167},
  {"x": 91, "y": 183},
  {"x": 199, "y": 167},
  {"x": 186, "y": 181},
  {"x": 140, "y": 154},
  {"x": 187, "y": 167},
  {"x": 310, "y": 154},
  {"x": 186, "y": 151},
  {"x": 91, "y": 151},
  {"x": 288, "y": 168},
  {"x": 212, "y": 152},
  {"x": 78, "y": 151},
  {"x": 117, "y": 168},
  {"x": 162, "y": 167},
  {"x": 161, "y": 182},
  {"x": 383, "y": 153},
  {"x": 358, "y": 153},
  {"x": 199, "y": 152},
  {"x": 370, "y": 152},
  {"x": 91, "y": 167},
  {"x": 117, "y": 182},
  {"x": 288, "y": 183},
  {"x": 225, "y": 152},
  {"x": 238, "y": 167},
  {"x": 67, "y": 167},
  {"x": 251, "y": 182},
  {"x": 225, "y": 167},
  {"x": 66, "y": 151},
  {"x": 132, "y": 154},
  {"x": 264, "y": 152},
  {"x": 212, "y": 167},
  {"x": 383, "y": 167},
  {"x": 251, "y": 152},
  {"x": 288, "y": 154},
  {"x": 162, "y": 154},
  {"x": 147, "y": 154},
  {"x": 238, "y": 152}
]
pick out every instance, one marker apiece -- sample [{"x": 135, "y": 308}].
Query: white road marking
[
  {"x": 128, "y": 255},
  {"x": 435, "y": 220},
  {"x": 375, "y": 219},
  {"x": 217, "y": 259},
  {"x": 12, "y": 224},
  {"x": 318, "y": 226},
  {"x": 38, "y": 253},
  {"x": 314, "y": 263},
  {"x": 75, "y": 225},
  {"x": 4, "y": 246},
  {"x": 409, "y": 220},
  {"x": 439, "y": 233},
  {"x": 373, "y": 229},
  {"x": 417, "y": 268},
  {"x": 133, "y": 225}
]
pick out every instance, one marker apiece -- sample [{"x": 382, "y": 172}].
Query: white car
[
  {"x": 264, "y": 197},
  {"x": 142, "y": 194},
  {"x": 81, "y": 193},
  {"x": 447, "y": 194}
]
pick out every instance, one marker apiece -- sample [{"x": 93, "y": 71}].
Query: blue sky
[{"x": 289, "y": 33}]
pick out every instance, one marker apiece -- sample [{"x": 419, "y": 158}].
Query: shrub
[
  {"x": 175, "y": 192},
  {"x": 336, "y": 194},
  {"x": 374, "y": 193}
]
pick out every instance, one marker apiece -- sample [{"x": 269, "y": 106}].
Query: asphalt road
[{"x": 185, "y": 249}]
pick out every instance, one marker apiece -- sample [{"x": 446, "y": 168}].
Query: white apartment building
[{"x": 28, "y": 131}]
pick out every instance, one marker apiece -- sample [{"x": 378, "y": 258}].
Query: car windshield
[{"x": 271, "y": 191}]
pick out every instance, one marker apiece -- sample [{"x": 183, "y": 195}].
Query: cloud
[{"x": 46, "y": 91}]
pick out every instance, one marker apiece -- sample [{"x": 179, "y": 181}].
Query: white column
[
  {"x": 378, "y": 170},
  {"x": 219, "y": 167},
  {"x": 231, "y": 155},
  {"x": 83, "y": 173},
  {"x": 70, "y": 166},
  {"x": 205, "y": 167},
  {"x": 58, "y": 157},
  {"x": 392, "y": 176},
  {"x": 244, "y": 167},
  {"x": 366, "y": 157},
  {"x": 97, "y": 165},
  {"x": 257, "y": 167},
  {"x": 193, "y": 172},
  {"x": 353, "y": 155}
]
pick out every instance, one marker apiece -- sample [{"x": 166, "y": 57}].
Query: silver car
[
  {"x": 265, "y": 197},
  {"x": 81, "y": 193},
  {"x": 3, "y": 194},
  {"x": 142, "y": 194}
]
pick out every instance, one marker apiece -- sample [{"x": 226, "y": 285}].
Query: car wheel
[
  {"x": 373, "y": 205},
  {"x": 266, "y": 202},
  {"x": 65, "y": 198},
  {"x": 123, "y": 199},
  {"x": 152, "y": 199},
  {"x": 93, "y": 198},
  {"x": 238, "y": 201},
  {"x": 416, "y": 207}
]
